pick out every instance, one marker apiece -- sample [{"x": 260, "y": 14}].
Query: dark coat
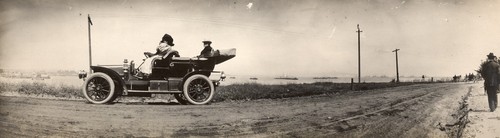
[
  {"x": 491, "y": 73},
  {"x": 206, "y": 52}
]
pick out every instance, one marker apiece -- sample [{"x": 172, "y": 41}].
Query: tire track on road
[{"x": 228, "y": 131}]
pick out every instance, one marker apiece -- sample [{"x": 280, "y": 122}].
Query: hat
[
  {"x": 491, "y": 56},
  {"x": 207, "y": 42},
  {"x": 167, "y": 38}
]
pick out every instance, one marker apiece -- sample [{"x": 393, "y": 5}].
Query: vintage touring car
[{"x": 190, "y": 80}]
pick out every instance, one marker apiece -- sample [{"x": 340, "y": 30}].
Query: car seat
[
  {"x": 164, "y": 61},
  {"x": 170, "y": 54},
  {"x": 161, "y": 65}
]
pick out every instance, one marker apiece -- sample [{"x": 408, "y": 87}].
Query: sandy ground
[
  {"x": 424, "y": 110},
  {"x": 482, "y": 122}
]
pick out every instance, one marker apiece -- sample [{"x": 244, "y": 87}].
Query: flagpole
[{"x": 89, "y": 22}]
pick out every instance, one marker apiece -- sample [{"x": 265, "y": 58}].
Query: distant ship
[
  {"x": 254, "y": 78},
  {"x": 287, "y": 78},
  {"x": 325, "y": 78}
]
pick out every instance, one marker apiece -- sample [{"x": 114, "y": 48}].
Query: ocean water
[
  {"x": 74, "y": 81},
  {"x": 301, "y": 80}
]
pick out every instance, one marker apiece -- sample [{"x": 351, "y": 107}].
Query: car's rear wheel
[
  {"x": 99, "y": 88},
  {"x": 198, "y": 89}
]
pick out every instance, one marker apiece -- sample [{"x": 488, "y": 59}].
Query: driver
[{"x": 166, "y": 44}]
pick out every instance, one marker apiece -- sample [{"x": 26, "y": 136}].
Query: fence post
[{"x": 352, "y": 84}]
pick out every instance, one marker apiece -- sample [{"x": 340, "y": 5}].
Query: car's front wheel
[
  {"x": 198, "y": 89},
  {"x": 99, "y": 88}
]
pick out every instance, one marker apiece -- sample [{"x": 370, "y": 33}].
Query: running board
[{"x": 155, "y": 92}]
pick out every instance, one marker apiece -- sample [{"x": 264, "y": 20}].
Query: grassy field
[
  {"x": 252, "y": 91},
  {"x": 41, "y": 89},
  {"x": 246, "y": 91}
]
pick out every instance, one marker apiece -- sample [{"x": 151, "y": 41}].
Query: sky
[{"x": 272, "y": 37}]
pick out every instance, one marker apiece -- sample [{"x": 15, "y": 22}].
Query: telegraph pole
[
  {"x": 397, "y": 68},
  {"x": 359, "y": 55}
]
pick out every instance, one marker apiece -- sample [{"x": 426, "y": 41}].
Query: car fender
[
  {"x": 203, "y": 72},
  {"x": 113, "y": 74}
]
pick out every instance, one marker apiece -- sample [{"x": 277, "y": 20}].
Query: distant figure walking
[{"x": 490, "y": 72}]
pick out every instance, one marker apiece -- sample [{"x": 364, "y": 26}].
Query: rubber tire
[
  {"x": 195, "y": 77},
  {"x": 111, "y": 96},
  {"x": 180, "y": 98}
]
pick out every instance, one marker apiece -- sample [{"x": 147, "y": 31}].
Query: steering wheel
[{"x": 148, "y": 54}]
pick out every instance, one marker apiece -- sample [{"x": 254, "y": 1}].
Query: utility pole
[
  {"x": 397, "y": 67},
  {"x": 359, "y": 55}
]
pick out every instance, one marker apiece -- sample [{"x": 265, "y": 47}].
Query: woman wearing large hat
[{"x": 165, "y": 46}]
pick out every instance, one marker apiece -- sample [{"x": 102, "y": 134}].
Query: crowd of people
[{"x": 468, "y": 77}]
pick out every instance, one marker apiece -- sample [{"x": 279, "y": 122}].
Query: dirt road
[{"x": 424, "y": 110}]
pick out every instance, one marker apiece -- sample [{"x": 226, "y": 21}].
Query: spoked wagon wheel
[
  {"x": 180, "y": 98},
  {"x": 198, "y": 89},
  {"x": 99, "y": 88}
]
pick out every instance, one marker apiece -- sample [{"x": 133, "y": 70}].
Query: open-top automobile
[{"x": 192, "y": 80}]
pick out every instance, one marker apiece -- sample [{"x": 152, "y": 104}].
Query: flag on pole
[{"x": 90, "y": 21}]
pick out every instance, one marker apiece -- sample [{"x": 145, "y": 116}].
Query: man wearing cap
[
  {"x": 208, "y": 50},
  {"x": 490, "y": 70}
]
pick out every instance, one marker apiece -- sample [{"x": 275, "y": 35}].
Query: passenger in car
[
  {"x": 166, "y": 44},
  {"x": 208, "y": 50}
]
